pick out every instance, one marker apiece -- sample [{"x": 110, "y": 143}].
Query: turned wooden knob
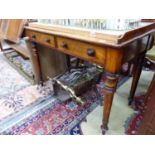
[
  {"x": 34, "y": 36},
  {"x": 64, "y": 45},
  {"x": 48, "y": 40},
  {"x": 91, "y": 52}
]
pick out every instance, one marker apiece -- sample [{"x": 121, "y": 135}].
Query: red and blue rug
[
  {"x": 57, "y": 118},
  {"x": 133, "y": 122}
]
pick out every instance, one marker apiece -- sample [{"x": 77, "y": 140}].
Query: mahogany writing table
[{"x": 108, "y": 48}]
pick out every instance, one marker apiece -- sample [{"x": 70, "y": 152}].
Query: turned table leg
[
  {"x": 35, "y": 62},
  {"x": 137, "y": 69},
  {"x": 109, "y": 90}
]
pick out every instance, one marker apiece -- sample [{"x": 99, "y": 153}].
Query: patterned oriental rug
[
  {"x": 133, "y": 122},
  {"x": 14, "y": 102},
  {"x": 10, "y": 80},
  {"x": 57, "y": 118},
  {"x": 16, "y": 93}
]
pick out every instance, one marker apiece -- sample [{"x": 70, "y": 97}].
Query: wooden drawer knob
[
  {"x": 91, "y": 52},
  {"x": 64, "y": 45},
  {"x": 34, "y": 36},
  {"x": 47, "y": 40}
]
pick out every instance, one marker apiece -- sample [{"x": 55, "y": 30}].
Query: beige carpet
[{"x": 120, "y": 109}]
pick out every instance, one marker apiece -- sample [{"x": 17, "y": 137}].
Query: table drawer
[
  {"x": 82, "y": 50},
  {"x": 45, "y": 39}
]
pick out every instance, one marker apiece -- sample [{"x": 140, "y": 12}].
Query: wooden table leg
[
  {"x": 137, "y": 69},
  {"x": 35, "y": 62},
  {"x": 109, "y": 90}
]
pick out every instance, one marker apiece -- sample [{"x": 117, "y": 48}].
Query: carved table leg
[
  {"x": 109, "y": 90},
  {"x": 35, "y": 62},
  {"x": 137, "y": 69}
]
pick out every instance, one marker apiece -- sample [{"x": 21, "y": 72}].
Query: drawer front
[
  {"x": 82, "y": 50},
  {"x": 42, "y": 38}
]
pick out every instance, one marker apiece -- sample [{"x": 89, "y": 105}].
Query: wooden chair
[
  {"x": 147, "y": 126},
  {"x": 150, "y": 56},
  {"x": 10, "y": 36},
  {"x": 149, "y": 62}
]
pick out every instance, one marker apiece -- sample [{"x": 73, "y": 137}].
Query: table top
[{"x": 107, "y": 35}]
